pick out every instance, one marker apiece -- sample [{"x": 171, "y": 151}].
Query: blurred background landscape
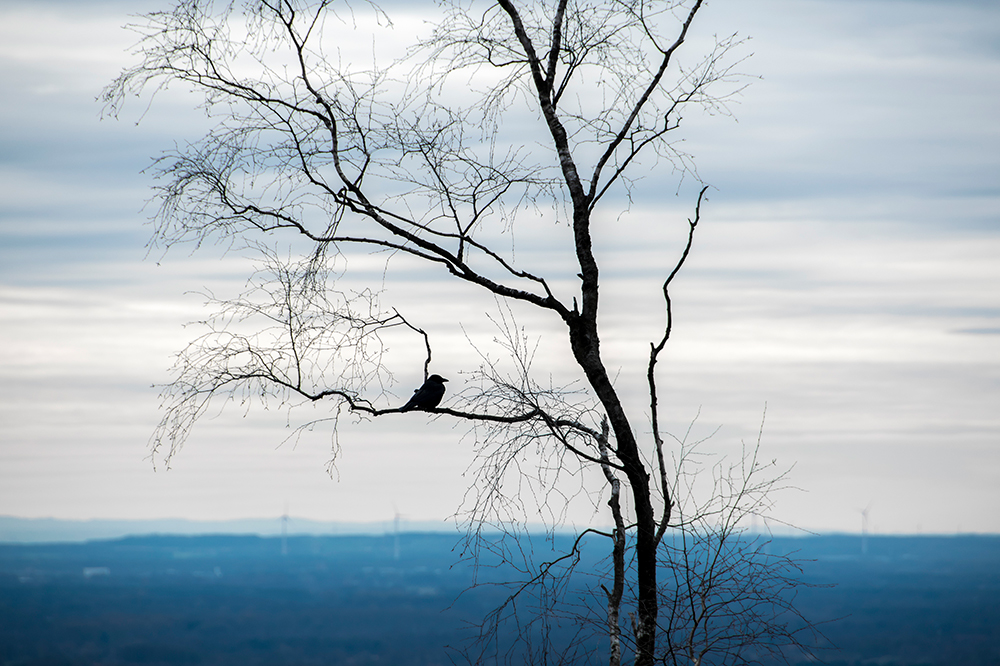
[{"x": 409, "y": 598}]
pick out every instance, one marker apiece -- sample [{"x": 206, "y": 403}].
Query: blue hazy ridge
[{"x": 403, "y": 599}]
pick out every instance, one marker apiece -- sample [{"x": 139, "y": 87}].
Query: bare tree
[{"x": 422, "y": 160}]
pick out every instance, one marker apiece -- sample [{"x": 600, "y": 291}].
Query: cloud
[
  {"x": 877, "y": 100},
  {"x": 980, "y": 331},
  {"x": 844, "y": 274}
]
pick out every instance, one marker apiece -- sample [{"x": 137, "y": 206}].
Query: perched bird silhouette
[{"x": 427, "y": 396}]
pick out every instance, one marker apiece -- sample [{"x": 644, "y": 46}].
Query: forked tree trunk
[{"x": 586, "y": 349}]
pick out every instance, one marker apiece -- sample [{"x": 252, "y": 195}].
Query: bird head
[{"x": 436, "y": 378}]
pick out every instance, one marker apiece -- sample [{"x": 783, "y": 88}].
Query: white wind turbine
[
  {"x": 395, "y": 532},
  {"x": 284, "y": 531},
  {"x": 864, "y": 527}
]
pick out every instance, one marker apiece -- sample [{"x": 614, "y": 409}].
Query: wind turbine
[
  {"x": 284, "y": 531},
  {"x": 864, "y": 527},
  {"x": 395, "y": 532}
]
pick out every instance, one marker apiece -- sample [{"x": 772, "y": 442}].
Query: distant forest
[{"x": 409, "y": 600}]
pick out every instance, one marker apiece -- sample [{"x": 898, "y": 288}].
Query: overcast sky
[{"x": 847, "y": 276}]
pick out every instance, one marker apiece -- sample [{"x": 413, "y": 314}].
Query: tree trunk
[{"x": 586, "y": 349}]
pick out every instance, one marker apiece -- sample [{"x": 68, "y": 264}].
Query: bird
[{"x": 427, "y": 396}]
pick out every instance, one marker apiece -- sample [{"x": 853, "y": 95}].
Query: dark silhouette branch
[
  {"x": 343, "y": 160},
  {"x": 654, "y": 353}
]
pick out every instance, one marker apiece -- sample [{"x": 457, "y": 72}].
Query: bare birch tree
[{"x": 423, "y": 159}]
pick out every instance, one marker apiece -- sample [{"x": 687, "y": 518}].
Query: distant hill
[
  {"x": 401, "y": 599},
  {"x": 51, "y": 530}
]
